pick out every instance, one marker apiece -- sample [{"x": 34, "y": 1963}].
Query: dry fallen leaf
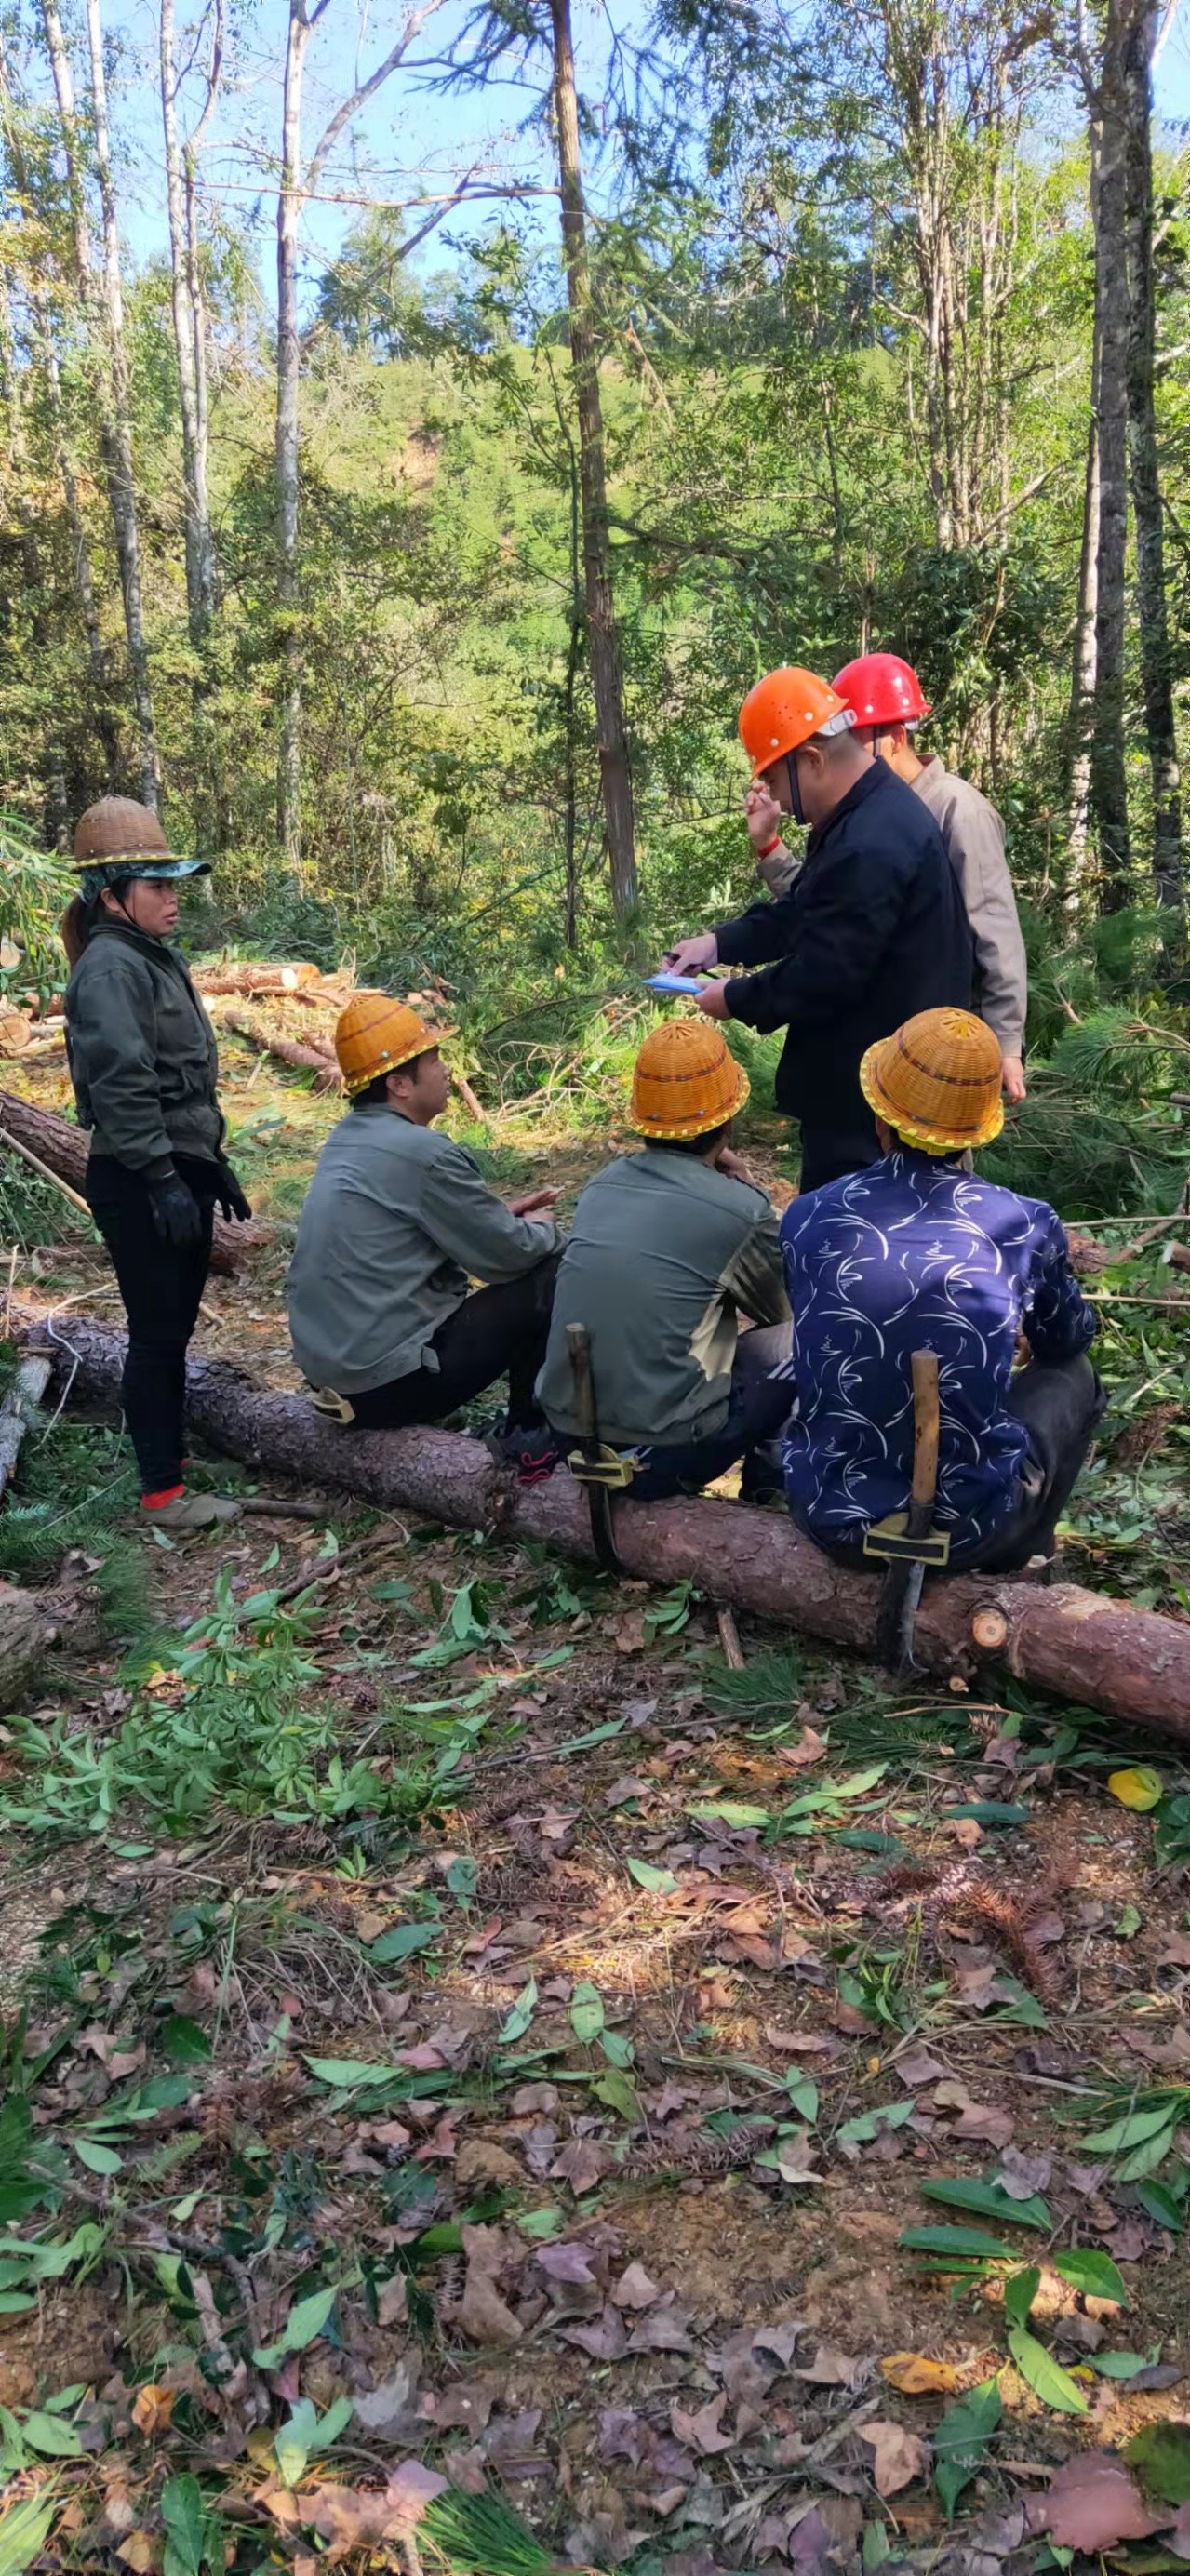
[
  {"x": 917, "y": 2376},
  {"x": 139, "y": 2552},
  {"x": 967, "y": 1833},
  {"x": 634, "y": 2289},
  {"x": 701, "y": 2433},
  {"x": 899, "y": 2456},
  {"x": 1093, "y": 2504},
  {"x": 483, "y": 2315},
  {"x": 152, "y": 2408},
  {"x": 357, "y": 2517}
]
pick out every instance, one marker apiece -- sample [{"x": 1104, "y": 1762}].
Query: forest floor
[{"x": 460, "y": 2030}]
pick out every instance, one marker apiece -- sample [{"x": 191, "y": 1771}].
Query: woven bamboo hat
[
  {"x": 117, "y": 837},
  {"x": 375, "y": 1035},
  {"x": 937, "y": 1081},
  {"x": 686, "y": 1082}
]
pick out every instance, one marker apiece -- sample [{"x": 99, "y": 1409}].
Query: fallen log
[
  {"x": 304, "y": 1059},
  {"x": 1082, "y": 1645},
  {"x": 63, "y": 1149},
  {"x": 25, "y": 1633},
  {"x": 248, "y": 978}
]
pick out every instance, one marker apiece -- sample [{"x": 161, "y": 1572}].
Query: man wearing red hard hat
[{"x": 885, "y": 696}]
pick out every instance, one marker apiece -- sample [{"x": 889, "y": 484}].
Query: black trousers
[
  {"x": 759, "y": 1407},
  {"x": 497, "y": 1331},
  {"x": 1060, "y": 1408},
  {"x": 832, "y": 1153},
  {"x": 161, "y": 1287}
]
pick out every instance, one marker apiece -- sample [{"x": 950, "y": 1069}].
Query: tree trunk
[
  {"x": 104, "y": 308},
  {"x": 1109, "y": 787},
  {"x": 189, "y": 344},
  {"x": 1102, "y": 1653},
  {"x": 606, "y": 675},
  {"x": 64, "y": 1149},
  {"x": 1152, "y": 613},
  {"x": 289, "y": 211},
  {"x": 120, "y": 478},
  {"x": 17, "y": 1411},
  {"x": 1082, "y": 686},
  {"x": 25, "y": 1632},
  {"x": 304, "y": 1059}
]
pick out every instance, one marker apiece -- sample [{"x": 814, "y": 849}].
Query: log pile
[
  {"x": 63, "y": 1150},
  {"x": 1087, "y": 1648}
]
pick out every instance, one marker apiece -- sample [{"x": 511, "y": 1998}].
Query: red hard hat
[{"x": 882, "y": 689}]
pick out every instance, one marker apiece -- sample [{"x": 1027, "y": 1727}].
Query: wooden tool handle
[
  {"x": 925, "y": 1440},
  {"x": 578, "y": 1346}
]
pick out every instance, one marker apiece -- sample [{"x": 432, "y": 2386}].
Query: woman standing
[{"x": 144, "y": 1067}]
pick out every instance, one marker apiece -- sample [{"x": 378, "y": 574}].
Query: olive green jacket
[
  {"x": 142, "y": 1052},
  {"x": 665, "y": 1254}
]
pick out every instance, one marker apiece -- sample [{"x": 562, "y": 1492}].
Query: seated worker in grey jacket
[
  {"x": 396, "y": 1223},
  {"x": 669, "y": 1247}
]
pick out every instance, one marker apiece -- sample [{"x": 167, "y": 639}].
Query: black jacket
[
  {"x": 872, "y": 930},
  {"x": 141, "y": 1052}
]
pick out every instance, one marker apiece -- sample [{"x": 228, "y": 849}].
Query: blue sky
[{"x": 409, "y": 142}]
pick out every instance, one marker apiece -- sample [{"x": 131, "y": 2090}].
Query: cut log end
[{"x": 989, "y": 1628}]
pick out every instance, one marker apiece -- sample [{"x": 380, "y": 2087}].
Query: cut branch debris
[{"x": 61, "y": 1151}]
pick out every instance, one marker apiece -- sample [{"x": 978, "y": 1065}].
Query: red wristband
[{"x": 769, "y": 847}]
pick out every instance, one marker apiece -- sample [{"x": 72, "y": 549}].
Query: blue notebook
[{"x": 675, "y": 983}]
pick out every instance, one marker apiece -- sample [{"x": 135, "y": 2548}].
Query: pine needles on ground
[
  {"x": 875, "y": 1730},
  {"x": 468, "y": 2535},
  {"x": 1103, "y": 1130}
]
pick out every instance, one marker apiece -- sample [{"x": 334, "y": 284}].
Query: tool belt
[
  {"x": 889, "y": 1542},
  {"x": 332, "y": 1407},
  {"x": 609, "y": 1469}
]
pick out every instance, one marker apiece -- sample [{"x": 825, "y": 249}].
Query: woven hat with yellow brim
[
  {"x": 937, "y": 1082},
  {"x": 377, "y": 1035},
  {"x": 686, "y": 1082},
  {"x": 118, "y": 838}
]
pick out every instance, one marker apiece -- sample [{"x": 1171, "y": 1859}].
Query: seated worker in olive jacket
[
  {"x": 396, "y": 1222},
  {"x": 144, "y": 1067},
  {"x": 668, "y": 1249}
]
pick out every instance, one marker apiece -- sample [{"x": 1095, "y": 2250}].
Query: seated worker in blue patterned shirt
[{"x": 917, "y": 1253}]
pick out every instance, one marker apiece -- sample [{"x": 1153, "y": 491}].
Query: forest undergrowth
[{"x": 490, "y": 2087}]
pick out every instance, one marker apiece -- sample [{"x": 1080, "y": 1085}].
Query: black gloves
[
  {"x": 229, "y": 1196},
  {"x": 176, "y": 1212}
]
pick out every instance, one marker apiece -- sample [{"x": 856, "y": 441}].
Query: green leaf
[
  {"x": 1152, "y": 2152},
  {"x": 988, "y": 2200},
  {"x": 964, "y": 2242},
  {"x": 462, "y": 1877},
  {"x": 1161, "y": 2205},
  {"x": 48, "y": 2435},
  {"x": 867, "y": 2124},
  {"x": 989, "y": 1811},
  {"x": 1131, "y": 2131},
  {"x": 24, "y": 2530},
  {"x": 97, "y": 2159},
  {"x": 16, "y": 2303},
  {"x": 586, "y": 2012},
  {"x": 1160, "y": 2454},
  {"x": 1094, "y": 2273},
  {"x": 294, "y": 2439},
  {"x": 728, "y": 1811},
  {"x": 659, "y": 1882},
  {"x": 1020, "y": 2290},
  {"x": 803, "y": 2095},
  {"x": 617, "y": 2049},
  {"x": 594, "y": 1735},
  {"x": 517, "y": 2021},
  {"x": 306, "y": 2320},
  {"x": 402, "y": 1941},
  {"x": 541, "y": 2224},
  {"x": 184, "y": 2041},
  {"x": 1045, "y": 2376},
  {"x": 961, "y": 2441},
  {"x": 619, "y": 2094},
  {"x": 1118, "y": 2365},
  {"x": 351, "y": 2074},
  {"x": 185, "y": 2523}
]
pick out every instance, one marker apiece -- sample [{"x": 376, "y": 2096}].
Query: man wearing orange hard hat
[
  {"x": 668, "y": 1248},
  {"x": 872, "y": 926},
  {"x": 397, "y": 1222},
  {"x": 918, "y": 1255}
]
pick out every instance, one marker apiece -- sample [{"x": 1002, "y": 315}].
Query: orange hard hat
[
  {"x": 937, "y": 1081},
  {"x": 686, "y": 1082},
  {"x": 375, "y": 1035},
  {"x": 882, "y": 689},
  {"x": 783, "y": 710}
]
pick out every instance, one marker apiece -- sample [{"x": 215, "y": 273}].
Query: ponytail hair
[{"x": 75, "y": 928}]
